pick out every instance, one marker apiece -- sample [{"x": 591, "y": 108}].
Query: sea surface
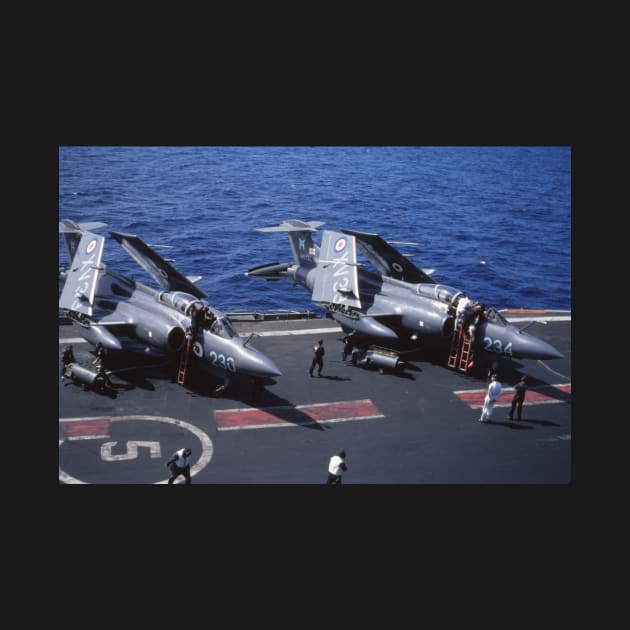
[{"x": 494, "y": 222}]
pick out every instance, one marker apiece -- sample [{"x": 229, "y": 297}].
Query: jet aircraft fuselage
[
  {"x": 124, "y": 314},
  {"x": 401, "y": 307},
  {"x": 154, "y": 323}
]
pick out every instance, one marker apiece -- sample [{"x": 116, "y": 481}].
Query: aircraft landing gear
[{"x": 223, "y": 387}]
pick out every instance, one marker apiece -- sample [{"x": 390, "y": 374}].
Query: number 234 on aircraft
[{"x": 400, "y": 307}]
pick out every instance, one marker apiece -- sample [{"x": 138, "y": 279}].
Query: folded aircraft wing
[
  {"x": 80, "y": 286},
  {"x": 388, "y": 260},
  {"x": 337, "y": 279},
  {"x": 161, "y": 271}
]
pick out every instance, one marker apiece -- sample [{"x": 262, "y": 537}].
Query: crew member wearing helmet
[{"x": 179, "y": 464}]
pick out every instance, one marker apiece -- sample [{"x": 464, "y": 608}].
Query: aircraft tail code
[{"x": 305, "y": 252}]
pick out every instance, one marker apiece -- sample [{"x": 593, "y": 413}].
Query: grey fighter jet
[
  {"x": 124, "y": 314},
  {"x": 400, "y": 308}
]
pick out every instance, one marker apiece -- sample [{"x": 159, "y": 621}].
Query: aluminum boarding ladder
[
  {"x": 183, "y": 363},
  {"x": 466, "y": 356}
]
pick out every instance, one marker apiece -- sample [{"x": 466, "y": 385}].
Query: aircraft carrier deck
[{"x": 417, "y": 427}]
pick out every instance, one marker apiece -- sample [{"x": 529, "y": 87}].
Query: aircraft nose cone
[
  {"x": 270, "y": 369},
  {"x": 534, "y": 348},
  {"x": 258, "y": 364},
  {"x": 550, "y": 352}
]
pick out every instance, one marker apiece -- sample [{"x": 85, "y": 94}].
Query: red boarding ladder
[
  {"x": 183, "y": 363},
  {"x": 454, "y": 351},
  {"x": 465, "y": 359}
]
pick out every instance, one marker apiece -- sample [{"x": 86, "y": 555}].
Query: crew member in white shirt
[
  {"x": 336, "y": 467},
  {"x": 179, "y": 464},
  {"x": 463, "y": 311},
  {"x": 494, "y": 389}
]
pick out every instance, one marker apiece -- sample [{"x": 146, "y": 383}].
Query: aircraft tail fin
[
  {"x": 80, "y": 286},
  {"x": 305, "y": 251},
  {"x": 72, "y": 233},
  {"x": 337, "y": 279}
]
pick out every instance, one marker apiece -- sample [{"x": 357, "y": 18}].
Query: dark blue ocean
[{"x": 507, "y": 206}]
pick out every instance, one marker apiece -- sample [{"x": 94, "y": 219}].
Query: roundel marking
[
  {"x": 397, "y": 267},
  {"x": 90, "y": 246},
  {"x": 198, "y": 349},
  {"x": 163, "y": 273},
  {"x": 340, "y": 245},
  {"x": 207, "y": 448}
]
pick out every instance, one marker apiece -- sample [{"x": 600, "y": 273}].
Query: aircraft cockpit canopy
[
  {"x": 439, "y": 292},
  {"x": 183, "y": 302},
  {"x": 493, "y": 316},
  {"x": 222, "y": 327}
]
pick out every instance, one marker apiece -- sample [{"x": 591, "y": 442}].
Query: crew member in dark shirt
[
  {"x": 196, "y": 317},
  {"x": 318, "y": 358},
  {"x": 519, "y": 397},
  {"x": 100, "y": 355},
  {"x": 347, "y": 348},
  {"x": 66, "y": 359}
]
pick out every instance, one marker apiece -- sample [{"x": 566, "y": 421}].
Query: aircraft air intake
[
  {"x": 162, "y": 336},
  {"x": 176, "y": 339},
  {"x": 427, "y": 321}
]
